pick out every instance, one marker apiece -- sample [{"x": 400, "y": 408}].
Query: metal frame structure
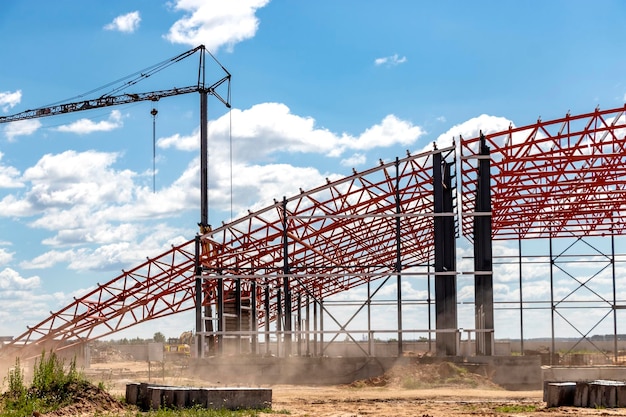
[{"x": 550, "y": 180}]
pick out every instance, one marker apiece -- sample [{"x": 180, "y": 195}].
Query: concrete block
[
  {"x": 581, "y": 397},
  {"x": 621, "y": 395},
  {"x": 181, "y": 398},
  {"x": 152, "y": 397},
  {"x": 132, "y": 393},
  {"x": 560, "y": 394},
  {"x": 603, "y": 393}
]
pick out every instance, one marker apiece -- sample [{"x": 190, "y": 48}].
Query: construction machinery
[{"x": 178, "y": 348}]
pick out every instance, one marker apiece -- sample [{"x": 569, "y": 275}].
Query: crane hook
[{"x": 154, "y": 112}]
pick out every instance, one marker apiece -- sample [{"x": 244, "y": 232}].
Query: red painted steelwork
[
  {"x": 560, "y": 178},
  {"x": 339, "y": 236}
]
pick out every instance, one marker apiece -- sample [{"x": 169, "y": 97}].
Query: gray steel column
[
  {"x": 279, "y": 320},
  {"x": 267, "y": 317},
  {"x": 204, "y": 160},
  {"x": 238, "y": 313},
  {"x": 286, "y": 283},
  {"x": 398, "y": 258},
  {"x": 315, "y": 327},
  {"x": 254, "y": 322},
  {"x": 445, "y": 259},
  {"x": 221, "y": 324},
  {"x": 483, "y": 258},
  {"x": 521, "y": 298},
  {"x": 198, "y": 289},
  {"x": 299, "y": 325}
]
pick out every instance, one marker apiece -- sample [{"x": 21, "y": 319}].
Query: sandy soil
[{"x": 369, "y": 398}]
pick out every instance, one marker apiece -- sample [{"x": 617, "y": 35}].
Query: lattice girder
[{"x": 565, "y": 177}]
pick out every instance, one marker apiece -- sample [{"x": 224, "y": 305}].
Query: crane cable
[
  {"x": 230, "y": 140},
  {"x": 154, "y": 113}
]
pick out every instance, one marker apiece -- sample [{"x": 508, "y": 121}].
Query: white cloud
[
  {"x": 268, "y": 128},
  {"x": 9, "y": 99},
  {"x": 471, "y": 129},
  {"x": 9, "y": 176},
  {"x": 215, "y": 23},
  {"x": 127, "y": 23},
  {"x": 21, "y": 128},
  {"x": 5, "y": 257},
  {"x": 10, "y": 280},
  {"x": 355, "y": 160},
  {"x": 390, "y": 61},
  {"x": 86, "y": 126}
]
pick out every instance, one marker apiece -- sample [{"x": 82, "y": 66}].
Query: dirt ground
[{"x": 422, "y": 391}]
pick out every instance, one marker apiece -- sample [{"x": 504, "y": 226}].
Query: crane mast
[{"x": 114, "y": 99}]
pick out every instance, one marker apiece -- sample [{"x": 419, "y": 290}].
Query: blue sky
[{"x": 318, "y": 88}]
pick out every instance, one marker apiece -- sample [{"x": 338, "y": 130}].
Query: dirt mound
[
  {"x": 87, "y": 399},
  {"x": 415, "y": 375}
]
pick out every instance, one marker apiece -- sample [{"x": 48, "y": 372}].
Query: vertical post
[
  {"x": 445, "y": 259},
  {"x": 299, "y": 325},
  {"x": 308, "y": 325},
  {"x": 267, "y": 317},
  {"x": 279, "y": 320},
  {"x": 483, "y": 258},
  {"x": 369, "y": 318},
  {"x": 286, "y": 283},
  {"x": 552, "y": 306},
  {"x": 198, "y": 290},
  {"x": 204, "y": 159},
  {"x": 615, "y": 352},
  {"x": 429, "y": 303},
  {"x": 254, "y": 322},
  {"x": 221, "y": 319},
  {"x": 315, "y": 327},
  {"x": 398, "y": 257},
  {"x": 521, "y": 298},
  {"x": 322, "y": 327},
  {"x": 238, "y": 313}
]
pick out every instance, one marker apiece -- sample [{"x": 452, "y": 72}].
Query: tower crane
[{"x": 116, "y": 98}]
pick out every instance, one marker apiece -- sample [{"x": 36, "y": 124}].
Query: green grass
[{"x": 54, "y": 384}]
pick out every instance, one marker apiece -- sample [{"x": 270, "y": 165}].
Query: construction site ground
[{"x": 422, "y": 390}]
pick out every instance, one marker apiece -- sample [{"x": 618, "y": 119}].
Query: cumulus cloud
[
  {"x": 5, "y": 256},
  {"x": 9, "y": 176},
  {"x": 126, "y": 23},
  {"x": 21, "y": 128},
  {"x": 9, "y": 99},
  {"x": 86, "y": 126},
  {"x": 354, "y": 160},
  {"x": 268, "y": 128},
  {"x": 390, "y": 61},
  {"x": 10, "y": 280},
  {"x": 471, "y": 129},
  {"x": 215, "y": 23}
]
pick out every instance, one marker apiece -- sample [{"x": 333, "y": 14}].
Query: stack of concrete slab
[
  {"x": 599, "y": 393},
  {"x": 153, "y": 397}
]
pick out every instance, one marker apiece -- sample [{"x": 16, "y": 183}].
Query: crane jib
[{"x": 97, "y": 103}]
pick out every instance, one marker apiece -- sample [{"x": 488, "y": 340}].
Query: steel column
[
  {"x": 267, "y": 300},
  {"x": 221, "y": 321},
  {"x": 398, "y": 258},
  {"x": 286, "y": 283},
  {"x": 198, "y": 301},
  {"x": 253, "y": 323},
  {"x": 483, "y": 257},
  {"x": 445, "y": 259}
]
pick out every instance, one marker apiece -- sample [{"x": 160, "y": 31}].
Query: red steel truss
[
  {"x": 339, "y": 236},
  {"x": 559, "y": 178}
]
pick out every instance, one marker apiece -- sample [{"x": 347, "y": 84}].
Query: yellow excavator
[{"x": 178, "y": 348}]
